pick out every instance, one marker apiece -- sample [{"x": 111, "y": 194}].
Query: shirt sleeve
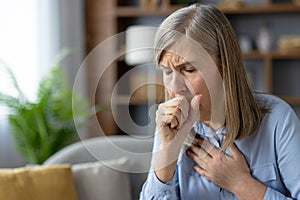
[
  {"x": 153, "y": 188},
  {"x": 156, "y": 190},
  {"x": 274, "y": 195},
  {"x": 287, "y": 138}
]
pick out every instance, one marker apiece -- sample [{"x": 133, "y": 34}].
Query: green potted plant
[{"x": 44, "y": 126}]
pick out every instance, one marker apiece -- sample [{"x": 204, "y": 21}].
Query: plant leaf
[{"x": 14, "y": 80}]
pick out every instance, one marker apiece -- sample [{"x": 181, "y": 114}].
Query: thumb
[
  {"x": 194, "y": 110},
  {"x": 193, "y": 115}
]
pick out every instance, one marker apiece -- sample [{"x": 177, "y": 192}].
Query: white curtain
[
  {"x": 62, "y": 26},
  {"x": 32, "y": 33}
]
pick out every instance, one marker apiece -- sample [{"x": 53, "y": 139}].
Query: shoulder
[
  {"x": 280, "y": 116},
  {"x": 273, "y": 104}
]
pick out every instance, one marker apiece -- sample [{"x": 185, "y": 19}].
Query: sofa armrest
[{"x": 136, "y": 150}]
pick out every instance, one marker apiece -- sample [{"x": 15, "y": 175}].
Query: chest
[{"x": 260, "y": 154}]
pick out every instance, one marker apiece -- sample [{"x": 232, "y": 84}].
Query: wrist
[
  {"x": 165, "y": 163},
  {"x": 249, "y": 188},
  {"x": 166, "y": 173}
]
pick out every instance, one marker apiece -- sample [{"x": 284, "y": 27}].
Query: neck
[{"x": 213, "y": 125}]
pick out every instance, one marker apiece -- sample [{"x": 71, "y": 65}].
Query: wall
[{"x": 9, "y": 157}]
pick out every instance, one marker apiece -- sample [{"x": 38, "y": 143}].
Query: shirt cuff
[
  {"x": 162, "y": 190},
  {"x": 274, "y": 195}
]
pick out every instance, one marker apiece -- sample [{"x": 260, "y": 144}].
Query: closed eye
[
  {"x": 189, "y": 69},
  {"x": 166, "y": 70}
]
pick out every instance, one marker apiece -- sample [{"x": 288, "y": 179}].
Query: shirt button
[{"x": 168, "y": 192}]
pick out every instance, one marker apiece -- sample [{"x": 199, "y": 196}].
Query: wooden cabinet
[
  {"x": 276, "y": 71},
  {"x": 272, "y": 72}
]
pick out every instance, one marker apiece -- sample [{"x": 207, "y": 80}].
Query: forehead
[
  {"x": 171, "y": 57},
  {"x": 186, "y": 51}
]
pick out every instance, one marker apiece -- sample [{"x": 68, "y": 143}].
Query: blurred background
[{"x": 34, "y": 32}]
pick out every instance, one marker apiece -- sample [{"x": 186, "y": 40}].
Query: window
[{"x": 19, "y": 44}]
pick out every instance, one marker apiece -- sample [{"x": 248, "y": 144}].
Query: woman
[{"x": 245, "y": 145}]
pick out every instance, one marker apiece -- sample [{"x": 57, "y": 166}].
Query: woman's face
[{"x": 181, "y": 77}]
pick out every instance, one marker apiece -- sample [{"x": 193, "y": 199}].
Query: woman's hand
[
  {"x": 170, "y": 116},
  {"x": 175, "y": 117},
  {"x": 174, "y": 120},
  {"x": 228, "y": 172}
]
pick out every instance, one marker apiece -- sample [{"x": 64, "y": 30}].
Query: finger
[
  {"x": 176, "y": 101},
  {"x": 200, "y": 171},
  {"x": 187, "y": 125},
  {"x": 182, "y": 103},
  {"x": 173, "y": 123},
  {"x": 171, "y": 103},
  {"x": 165, "y": 109},
  {"x": 197, "y": 141},
  {"x": 174, "y": 110},
  {"x": 165, "y": 117},
  {"x": 176, "y": 113},
  {"x": 208, "y": 147},
  {"x": 199, "y": 151},
  {"x": 168, "y": 120},
  {"x": 196, "y": 158},
  {"x": 184, "y": 106}
]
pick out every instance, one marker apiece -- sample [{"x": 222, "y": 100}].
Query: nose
[{"x": 177, "y": 84}]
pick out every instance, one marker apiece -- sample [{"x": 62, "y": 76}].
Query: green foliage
[{"x": 44, "y": 126}]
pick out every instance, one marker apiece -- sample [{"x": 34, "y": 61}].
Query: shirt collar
[{"x": 205, "y": 131}]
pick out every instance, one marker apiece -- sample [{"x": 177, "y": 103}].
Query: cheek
[
  {"x": 166, "y": 81},
  {"x": 167, "y": 84},
  {"x": 196, "y": 85}
]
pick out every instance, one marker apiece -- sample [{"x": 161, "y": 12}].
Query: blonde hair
[{"x": 211, "y": 29}]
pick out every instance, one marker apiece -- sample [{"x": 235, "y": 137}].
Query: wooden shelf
[
  {"x": 253, "y": 55},
  {"x": 271, "y": 55},
  {"x": 261, "y": 9},
  {"x": 286, "y": 55},
  {"x": 133, "y": 11}
]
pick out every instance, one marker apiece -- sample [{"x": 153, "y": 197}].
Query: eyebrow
[{"x": 177, "y": 66}]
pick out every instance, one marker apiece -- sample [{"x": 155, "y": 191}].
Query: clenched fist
[{"x": 175, "y": 118}]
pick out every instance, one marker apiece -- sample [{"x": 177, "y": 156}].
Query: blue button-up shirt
[{"x": 273, "y": 155}]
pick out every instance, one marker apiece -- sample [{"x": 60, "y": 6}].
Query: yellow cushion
[{"x": 37, "y": 183}]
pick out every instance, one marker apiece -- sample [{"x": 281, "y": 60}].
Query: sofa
[{"x": 133, "y": 158}]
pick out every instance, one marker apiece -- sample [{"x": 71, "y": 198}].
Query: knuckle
[
  {"x": 178, "y": 109},
  {"x": 160, "y": 106}
]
